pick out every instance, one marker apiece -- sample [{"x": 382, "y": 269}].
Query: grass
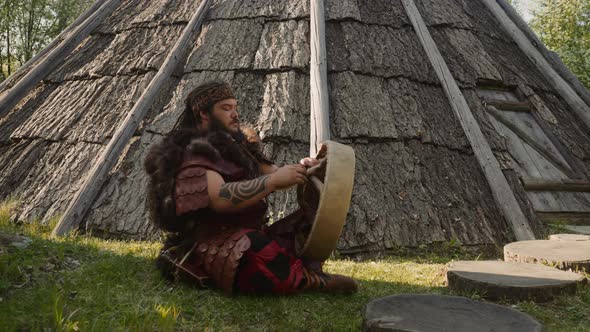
[{"x": 85, "y": 283}]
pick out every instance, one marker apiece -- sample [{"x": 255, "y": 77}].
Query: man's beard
[{"x": 216, "y": 125}]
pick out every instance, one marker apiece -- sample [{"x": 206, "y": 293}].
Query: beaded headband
[{"x": 211, "y": 96}]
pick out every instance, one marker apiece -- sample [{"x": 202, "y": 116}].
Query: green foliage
[
  {"x": 564, "y": 27},
  {"x": 6, "y": 209},
  {"x": 27, "y": 26}
]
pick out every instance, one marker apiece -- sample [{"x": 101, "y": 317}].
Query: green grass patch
[{"x": 90, "y": 284}]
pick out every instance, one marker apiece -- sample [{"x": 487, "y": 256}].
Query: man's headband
[{"x": 211, "y": 96}]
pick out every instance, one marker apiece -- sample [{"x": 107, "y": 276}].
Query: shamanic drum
[{"x": 327, "y": 197}]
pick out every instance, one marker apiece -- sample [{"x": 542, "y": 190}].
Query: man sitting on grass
[{"x": 208, "y": 186}]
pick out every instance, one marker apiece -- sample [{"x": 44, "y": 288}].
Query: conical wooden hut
[{"x": 465, "y": 127}]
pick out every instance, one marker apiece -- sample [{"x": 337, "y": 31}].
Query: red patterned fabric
[{"x": 268, "y": 268}]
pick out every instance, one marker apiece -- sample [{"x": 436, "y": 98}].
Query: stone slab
[
  {"x": 497, "y": 280},
  {"x": 561, "y": 254},
  {"x": 427, "y": 312},
  {"x": 569, "y": 237}
]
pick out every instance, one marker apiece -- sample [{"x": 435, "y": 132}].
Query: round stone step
[
  {"x": 569, "y": 237},
  {"x": 497, "y": 280},
  {"x": 561, "y": 254},
  {"x": 427, "y": 312}
]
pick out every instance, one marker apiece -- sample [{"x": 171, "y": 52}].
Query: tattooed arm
[{"x": 233, "y": 196}]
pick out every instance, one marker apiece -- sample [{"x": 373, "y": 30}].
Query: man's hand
[
  {"x": 287, "y": 176},
  {"x": 309, "y": 162}
]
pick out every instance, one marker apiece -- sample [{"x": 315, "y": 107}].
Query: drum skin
[{"x": 334, "y": 201}]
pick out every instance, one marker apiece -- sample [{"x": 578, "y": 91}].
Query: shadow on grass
[{"x": 83, "y": 283}]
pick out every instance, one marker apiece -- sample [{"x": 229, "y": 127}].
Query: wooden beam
[
  {"x": 578, "y": 106},
  {"x": 550, "y": 56},
  {"x": 56, "y": 41},
  {"x": 84, "y": 198},
  {"x": 318, "y": 79},
  {"x": 566, "y": 169},
  {"x": 568, "y": 218},
  {"x": 500, "y": 188},
  {"x": 556, "y": 185},
  {"x": 54, "y": 58},
  {"x": 514, "y": 106}
]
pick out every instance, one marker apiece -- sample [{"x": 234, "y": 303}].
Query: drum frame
[{"x": 335, "y": 195}]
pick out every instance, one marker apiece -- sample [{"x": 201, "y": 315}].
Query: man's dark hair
[{"x": 191, "y": 116}]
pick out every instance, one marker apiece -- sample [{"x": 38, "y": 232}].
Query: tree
[
  {"x": 27, "y": 26},
  {"x": 564, "y": 27}
]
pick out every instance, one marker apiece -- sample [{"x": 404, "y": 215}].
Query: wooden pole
[
  {"x": 556, "y": 185},
  {"x": 514, "y": 106},
  {"x": 85, "y": 196},
  {"x": 54, "y": 58},
  {"x": 501, "y": 191},
  {"x": 318, "y": 79},
  {"x": 576, "y": 103},
  {"x": 550, "y": 56},
  {"x": 56, "y": 41}
]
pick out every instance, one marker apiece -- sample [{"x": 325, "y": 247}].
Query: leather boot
[{"x": 328, "y": 283}]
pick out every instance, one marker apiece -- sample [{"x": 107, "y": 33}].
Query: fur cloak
[{"x": 164, "y": 160}]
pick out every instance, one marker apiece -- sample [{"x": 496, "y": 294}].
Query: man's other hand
[
  {"x": 309, "y": 162},
  {"x": 287, "y": 176}
]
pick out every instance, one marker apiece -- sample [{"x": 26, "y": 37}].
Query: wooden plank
[
  {"x": 574, "y": 164},
  {"x": 556, "y": 185},
  {"x": 504, "y": 105},
  {"x": 543, "y": 201},
  {"x": 532, "y": 142},
  {"x": 84, "y": 198},
  {"x": 573, "y": 201},
  {"x": 318, "y": 78},
  {"x": 543, "y": 116},
  {"x": 578, "y": 106},
  {"x": 56, "y": 41},
  {"x": 530, "y": 125},
  {"x": 550, "y": 56},
  {"x": 568, "y": 218},
  {"x": 54, "y": 58},
  {"x": 500, "y": 188}
]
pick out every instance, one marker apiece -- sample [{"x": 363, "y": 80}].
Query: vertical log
[
  {"x": 501, "y": 190},
  {"x": 54, "y": 58},
  {"x": 84, "y": 198},
  {"x": 55, "y": 41},
  {"x": 318, "y": 78},
  {"x": 576, "y": 103}
]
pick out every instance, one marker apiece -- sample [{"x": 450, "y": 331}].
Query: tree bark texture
[{"x": 417, "y": 180}]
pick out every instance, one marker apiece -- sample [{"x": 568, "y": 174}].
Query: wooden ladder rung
[
  {"x": 556, "y": 185},
  {"x": 504, "y": 105}
]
